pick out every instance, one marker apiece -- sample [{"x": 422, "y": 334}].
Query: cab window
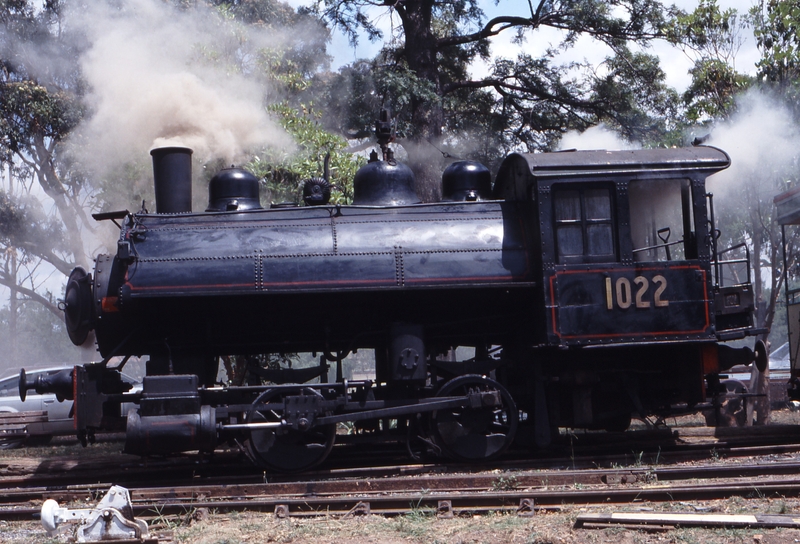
[
  {"x": 584, "y": 224},
  {"x": 661, "y": 220}
]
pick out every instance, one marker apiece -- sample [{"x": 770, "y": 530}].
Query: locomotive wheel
[
  {"x": 730, "y": 412},
  {"x": 286, "y": 450},
  {"x": 474, "y": 434}
]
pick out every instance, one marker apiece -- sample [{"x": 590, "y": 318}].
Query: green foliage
[
  {"x": 713, "y": 37},
  {"x": 528, "y": 102},
  {"x": 504, "y": 483},
  {"x": 29, "y": 111},
  {"x": 776, "y": 26},
  {"x": 40, "y": 104},
  {"x": 713, "y": 90},
  {"x": 24, "y": 226},
  {"x": 707, "y": 29},
  {"x": 634, "y": 99},
  {"x": 284, "y": 175}
]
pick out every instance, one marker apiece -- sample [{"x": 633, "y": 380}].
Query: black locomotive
[{"x": 587, "y": 284}]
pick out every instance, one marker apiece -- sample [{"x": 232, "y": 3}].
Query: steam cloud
[
  {"x": 156, "y": 79},
  {"x": 763, "y": 143},
  {"x": 598, "y": 137},
  {"x": 761, "y": 139}
]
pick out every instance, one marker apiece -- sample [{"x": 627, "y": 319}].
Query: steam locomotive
[{"x": 586, "y": 286}]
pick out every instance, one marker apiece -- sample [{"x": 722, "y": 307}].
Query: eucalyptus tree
[
  {"x": 776, "y": 25},
  {"x": 48, "y": 191},
  {"x": 777, "y": 31},
  {"x": 711, "y": 37},
  {"x": 40, "y": 90},
  {"x": 526, "y": 102},
  {"x": 755, "y": 119}
]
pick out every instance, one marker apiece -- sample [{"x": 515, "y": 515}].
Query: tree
[
  {"x": 756, "y": 120},
  {"x": 47, "y": 97},
  {"x": 777, "y": 30},
  {"x": 284, "y": 175},
  {"x": 527, "y": 102},
  {"x": 776, "y": 26},
  {"x": 712, "y": 38},
  {"x": 39, "y": 106}
]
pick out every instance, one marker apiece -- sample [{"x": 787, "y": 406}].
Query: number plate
[{"x": 629, "y": 304}]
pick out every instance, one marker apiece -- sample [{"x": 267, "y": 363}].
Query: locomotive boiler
[{"x": 587, "y": 286}]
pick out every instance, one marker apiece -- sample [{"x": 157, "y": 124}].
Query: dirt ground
[{"x": 422, "y": 527}]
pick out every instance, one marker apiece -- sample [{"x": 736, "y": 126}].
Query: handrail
[
  {"x": 746, "y": 261},
  {"x": 658, "y": 246}
]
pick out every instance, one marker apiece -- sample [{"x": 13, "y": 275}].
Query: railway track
[
  {"x": 576, "y": 451},
  {"x": 592, "y": 473},
  {"x": 446, "y": 494},
  {"x": 388, "y": 489}
]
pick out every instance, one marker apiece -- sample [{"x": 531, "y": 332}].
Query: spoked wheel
[
  {"x": 475, "y": 434},
  {"x": 731, "y": 412},
  {"x": 286, "y": 449}
]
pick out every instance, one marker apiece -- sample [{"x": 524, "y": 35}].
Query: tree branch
[
  {"x": 505, "y": 22},
  {"x": 33, "y": 295},
  {"x": 503, "y": 88}
]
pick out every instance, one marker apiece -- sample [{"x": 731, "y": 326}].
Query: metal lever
[{"x": 111, "y": 520}]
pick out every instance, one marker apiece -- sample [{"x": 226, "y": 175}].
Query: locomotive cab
[
  {"x": 632, "y": 283},
  {"x": 627, "y": 246}
]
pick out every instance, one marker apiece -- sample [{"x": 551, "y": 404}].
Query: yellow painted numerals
[{"x": 623, "y": 294}]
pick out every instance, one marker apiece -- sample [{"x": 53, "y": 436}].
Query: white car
[
  {"x": 59, "y": 417},
  {"x": 779, "y": 359}
]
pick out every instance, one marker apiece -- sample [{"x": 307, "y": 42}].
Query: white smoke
[
  {"x": 159, "y": 75},
  {"x": 763, "y": 143},
  {"x": 597, "y": 137}
]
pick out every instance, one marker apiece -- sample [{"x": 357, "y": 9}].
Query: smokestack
[{"x": 172, "y": 177}]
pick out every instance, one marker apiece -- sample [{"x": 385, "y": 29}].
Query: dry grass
[{"x": 423, "y": 527}]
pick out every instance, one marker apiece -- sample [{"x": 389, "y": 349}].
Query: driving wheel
[
  {"x": 475, "y": 433},
  {"x": 284, "y": 449},
  {"x": 731, "y": 411}
]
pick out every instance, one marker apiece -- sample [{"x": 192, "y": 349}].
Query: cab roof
[{"x": 581, "y": 163}]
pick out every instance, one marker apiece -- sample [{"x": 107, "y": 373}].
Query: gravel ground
[
  {"x": 546, "y": 527},
  {"x": 423, "y": 527}
]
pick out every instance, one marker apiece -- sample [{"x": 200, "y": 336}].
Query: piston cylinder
[{"x": 171, "y": 433}]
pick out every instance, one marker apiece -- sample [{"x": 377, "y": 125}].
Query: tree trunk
[
  {"x": 51, "y": 184},
  {"x": 13, "y": 305},
  {"x": 759, "y": 381},
  {"x": 421, "y": 52}
]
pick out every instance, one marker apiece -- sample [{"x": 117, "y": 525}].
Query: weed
[
  {"x": 505, "y": 484},
  {"x": 780, "y": 507},
  {"x": 415, "y": 523},
  {"x": 572, "y": 439},
  {"x": 756, "y": 493},
  {"x": 172, "y": 522}
]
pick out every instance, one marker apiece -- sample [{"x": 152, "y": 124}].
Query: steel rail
[
  {"x": 229, "y": 470},
  {"x": 644, "y": 483},
  {"x": 450, "y": 503}
]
